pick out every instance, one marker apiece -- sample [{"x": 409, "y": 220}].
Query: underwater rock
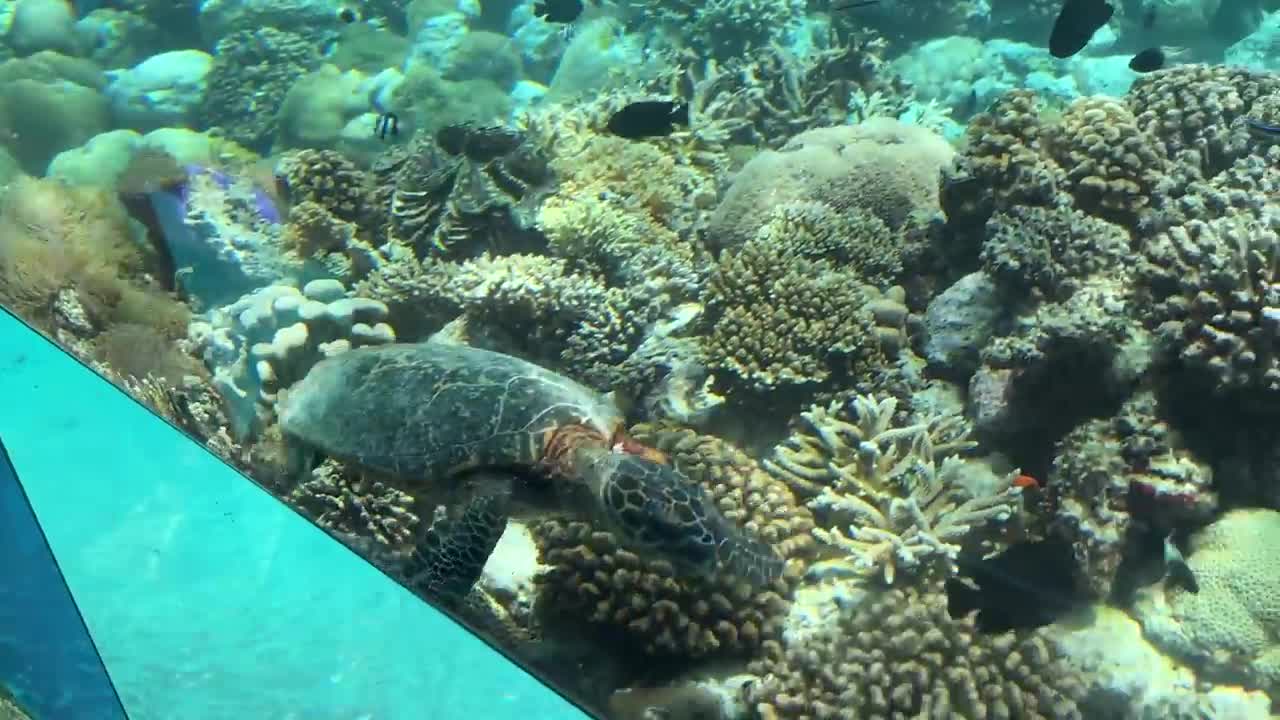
[
  {"x": 960, "y": 322},
  {"x": 163, "y": 90}
]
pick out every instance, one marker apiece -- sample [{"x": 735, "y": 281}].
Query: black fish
[
  {"x": 1148, "y": 60},
  {"x": 1076, "y": 24},
  {"x": 558, "y": 11},
  {"x": 1027, "y": 586},
  {"x": 648, "y": 118}
]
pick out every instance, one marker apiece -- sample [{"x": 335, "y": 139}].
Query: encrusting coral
[
  {"x": 663, "y": 612},
  {"x": 901, "y": 490},
  {"x": 897, "y": 654}
]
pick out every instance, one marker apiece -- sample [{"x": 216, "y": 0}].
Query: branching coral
[
  {"x": 1193, "y": 110},
  {"x": 664, "y": 612},
  {"x": 357, "y": 508},
  {"x": 327, "y": 179},
  {"x": 902, "y": 487},
  {"x": 1051, "y": 249},
  {"x": 898, "y": 654}
]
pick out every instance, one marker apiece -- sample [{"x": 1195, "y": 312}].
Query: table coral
[
  {"x": 668, "y": 614},
  {"x": 898, "y": 654},
  {"x": 1230, "y": 629}
]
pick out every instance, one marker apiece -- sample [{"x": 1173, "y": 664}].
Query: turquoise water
[{"x": 207, "y": 598}]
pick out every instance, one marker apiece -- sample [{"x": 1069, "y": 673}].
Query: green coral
[{"x": 251, "y": 74}]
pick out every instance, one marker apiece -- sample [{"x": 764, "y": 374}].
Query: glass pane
[
  {"x": 777, "y": 358},
  {"x": 208, "y": 598},
  {"x": 49, "y": 667}
]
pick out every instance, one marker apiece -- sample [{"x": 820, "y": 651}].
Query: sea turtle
[{"x": 444, "y": 412}]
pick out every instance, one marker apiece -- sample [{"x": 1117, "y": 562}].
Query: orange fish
[{"x": 1025, "y": 481}]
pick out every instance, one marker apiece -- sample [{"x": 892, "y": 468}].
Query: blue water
[{"x": 206, "y": 597}]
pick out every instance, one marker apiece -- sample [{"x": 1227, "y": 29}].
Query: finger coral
[{"x": 898, "y": 654}]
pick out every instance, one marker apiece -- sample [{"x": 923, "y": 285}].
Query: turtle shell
[{"x": 435, "y": 410}]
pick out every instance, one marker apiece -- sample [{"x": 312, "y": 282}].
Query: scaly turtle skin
[{"x": 442, "y": 412}]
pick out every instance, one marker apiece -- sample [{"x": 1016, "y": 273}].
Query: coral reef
[
  {"x": 1209, "y": 290},
  {"x": 367, "y": 513},
  {"x": 1093, "y": 468},
  {"x": 898, "y": 654}
]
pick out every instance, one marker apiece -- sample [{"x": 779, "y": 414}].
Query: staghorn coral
[
  {"x": 909, "y": 503},
  {"x": 668, "y": 614},
  {"x": 1210, "y": 291},
  {"x": 252, "y": 71},
  {"x": 369, "y": 514},
  {"x": 898, "y": 654},
  {"x": 1111, "y": 167},
  {"x": 723, "y": 29},
  {"x": 465, "y": 190},
  {"x": 778, "y": 319}
]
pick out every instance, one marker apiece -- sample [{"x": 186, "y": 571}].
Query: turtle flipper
[{"x": 448, "y": 560}]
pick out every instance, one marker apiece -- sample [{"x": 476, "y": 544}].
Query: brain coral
[
  {"x": 881, "y": 167},
  {"x": 898, "y": 654},
  {"x": 1231, "y": 628}
]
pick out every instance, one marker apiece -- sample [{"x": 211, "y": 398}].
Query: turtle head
[{"x": 655, "y": 507}]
